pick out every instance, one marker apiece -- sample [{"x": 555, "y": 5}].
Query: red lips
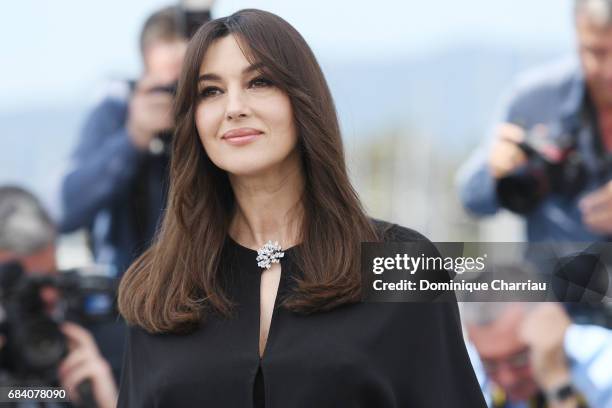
[
  {"x": 234, "y": 133},
  {"x": 242, "y": 136}
]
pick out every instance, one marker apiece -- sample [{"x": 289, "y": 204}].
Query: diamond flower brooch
[{"x": 268, "y": 254}]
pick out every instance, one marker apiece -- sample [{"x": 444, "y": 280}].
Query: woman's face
[{"x": 245, "y": 123}]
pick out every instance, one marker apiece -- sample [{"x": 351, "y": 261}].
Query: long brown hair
[{"x": 176, "y": 282}]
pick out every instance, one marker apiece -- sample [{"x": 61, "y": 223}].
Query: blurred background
[{"x": 416, "y": 86}]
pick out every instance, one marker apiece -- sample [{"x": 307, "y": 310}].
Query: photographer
[
  {"x": 530, "y": 354},
  {"x": 27, "y": 236},
  {"x": 549, "y": 159},
  {"x": 116, "y": 185}
]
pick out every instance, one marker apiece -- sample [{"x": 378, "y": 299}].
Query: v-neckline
[
  {"x": 249, "y": 255},
  {"x": 276, "y": 285}
]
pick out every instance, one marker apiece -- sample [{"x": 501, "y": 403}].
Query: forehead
[
  {"x": 42, "y": 261},
  {"x": 501, "y": 337},
  {"x": 589, "y": 29},
  {"x": 165, "y": 47},
  {"x": 224, "y": 56}
]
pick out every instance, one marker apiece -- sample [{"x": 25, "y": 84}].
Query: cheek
[
  {"x": 280, "y": 114},
  {"x": 590, "y": 65},
  {"x": 525, "y": 372},
  {"x": 208, "y": 118}
]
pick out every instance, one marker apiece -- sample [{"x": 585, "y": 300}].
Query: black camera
[
  {"x": 554, "y": 166},
  {"x": 162, "y": 142},
  {"x": 33, "y": 343},
  {"x": 191, "y": 14}
]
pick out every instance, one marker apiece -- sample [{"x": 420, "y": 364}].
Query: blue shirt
[
  {"x": 98, "y": 190},
  {"x": 553, "y": 95},
  {"x": 589, "y": 353}
]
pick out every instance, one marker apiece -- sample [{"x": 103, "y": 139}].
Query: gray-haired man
[
  {"x": 27, "y": 235},
  {"x": 533, "y": 355},
  {"x": 564, "y": 110}
]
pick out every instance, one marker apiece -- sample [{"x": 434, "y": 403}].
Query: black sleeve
[
  {"x": 125, "y": 382},
  {"x": 132, "y": 376},
  {"x": 422, "y": 246},
  {"x": 447, "y": 378}
]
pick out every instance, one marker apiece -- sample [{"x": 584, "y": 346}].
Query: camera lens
[
  {"x": 520, "y": 192},
  {"x": 42, "y": 344}
]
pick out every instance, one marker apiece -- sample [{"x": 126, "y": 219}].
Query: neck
[
  {"x": 601, "y": 103},
  {"x": 269, "y": 206}
]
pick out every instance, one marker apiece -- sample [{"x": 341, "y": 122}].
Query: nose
[{"x": 237, "y": 106}]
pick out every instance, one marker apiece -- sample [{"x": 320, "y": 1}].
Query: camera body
[
  {"x": 554, "y": 166},
  {"x": 34, "y": 345},
  {"x": 162, "y": 143},
  {"x": 191, "y": 14}
]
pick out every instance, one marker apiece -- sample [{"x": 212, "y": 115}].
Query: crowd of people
[{"x": 548, "y": 161}]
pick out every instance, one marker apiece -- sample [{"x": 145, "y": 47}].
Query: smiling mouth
[{"x": 241, "y": 136}]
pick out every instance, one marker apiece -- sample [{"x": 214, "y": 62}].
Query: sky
[{"x": 57, "y": 52}]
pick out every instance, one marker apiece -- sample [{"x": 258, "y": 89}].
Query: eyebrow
[{"x": 215, "y": 77}]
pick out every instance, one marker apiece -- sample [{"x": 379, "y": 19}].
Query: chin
[
  {"x": 252, "y": 163},
  {"x": 245, "y": 172},
  {"x": 604, "y": 93},
  {"x": 523, "y": 393},
  {"x": 246, "y": 168}
]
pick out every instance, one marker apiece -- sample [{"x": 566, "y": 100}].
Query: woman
[{"x": 258, "y": 157}]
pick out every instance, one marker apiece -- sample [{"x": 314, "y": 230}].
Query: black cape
[{"x": 360, "y": 355}]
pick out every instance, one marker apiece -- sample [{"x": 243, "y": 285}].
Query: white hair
[
  {"x": 485, "y": 313},
  {"x": 25, "y": 227},
  {"x": 600, "y": 11}
]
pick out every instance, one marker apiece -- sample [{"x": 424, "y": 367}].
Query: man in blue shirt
[
  {"x": 568, "y": 100},
  {"x": 116, "y": 183},
  {"x": 531, "y": 355}
]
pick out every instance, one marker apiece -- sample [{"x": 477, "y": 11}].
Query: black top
[{"x": 360, "y": 355}]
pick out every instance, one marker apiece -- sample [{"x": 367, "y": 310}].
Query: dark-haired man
[
  {"x": 116, "y": 184},
  {"x": 564, "y": 110}
]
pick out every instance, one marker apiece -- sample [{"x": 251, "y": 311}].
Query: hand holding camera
[
  {"x": 544, "y": 331},
  {"x": 506, "y": 155},
  {"x": 39, "y": 346},
  {"x": 532, "y": 164},
  {"x": 84, "y": 362},
  {"x": 149, "y": 112}
]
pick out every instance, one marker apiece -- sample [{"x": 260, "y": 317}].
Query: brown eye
[
  {"x": 209, "y": 92},
  {"x": 260, "y": 82}
]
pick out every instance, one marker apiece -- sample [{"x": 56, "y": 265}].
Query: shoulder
[
  {"x": 111, "y": 100},
  {"x": 546, "y": 83},
  {"x": 116, "y": 91},
  {"x": 390, "y": 232},
  {"x": 394, "y": 233}
]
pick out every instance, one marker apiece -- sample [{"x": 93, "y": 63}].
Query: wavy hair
[{"x": 175, "y": 283}]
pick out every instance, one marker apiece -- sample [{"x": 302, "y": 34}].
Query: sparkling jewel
[{"x": 268, "y": 254}]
